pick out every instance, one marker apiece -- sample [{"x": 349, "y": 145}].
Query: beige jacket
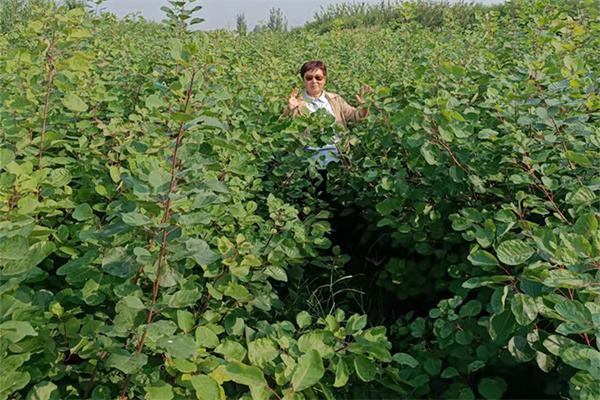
[{"x": 343, "y": 111}]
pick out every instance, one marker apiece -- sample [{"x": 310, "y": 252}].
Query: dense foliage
[
  {"x": 162, "y": 235},
  {"x": 428, "y": 13}
]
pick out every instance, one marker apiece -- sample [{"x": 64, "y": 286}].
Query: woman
[{"x": 314, "y": 77}]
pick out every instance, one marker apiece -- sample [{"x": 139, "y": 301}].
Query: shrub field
[{"x": 162, "y": 235}]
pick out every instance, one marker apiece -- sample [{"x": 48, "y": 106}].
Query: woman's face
[{"x": 314, "y": 81}]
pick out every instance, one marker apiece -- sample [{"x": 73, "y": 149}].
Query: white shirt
[{"x": 314, "y": 104}]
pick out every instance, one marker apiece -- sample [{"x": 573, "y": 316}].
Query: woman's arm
[
  {"x": 352, "y": 113},
  {"x": 357, "y": 114},
  {"x": 295, "y": 105}
]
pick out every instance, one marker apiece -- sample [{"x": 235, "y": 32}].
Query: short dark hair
[{"x": 307, "y": 66}]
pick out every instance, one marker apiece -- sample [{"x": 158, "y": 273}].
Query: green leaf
[
  {"x": 430, "y": 153},
  {"x": 120, "y": 262},
  {"x": 471, "y": 309},
  {"x": 574, "y": 354},
  {"x": 13, "y": 248},
  {"x": 185, "y": 366},
  {"x": 206, "y": 387},
  {"x": 432, "y": 366},
  {"x": 473, "y": 283},
  {"x": 159, "y": 391},
  {"x": 125, "y": 361},
  {"x": 237, "y": 291},
  {"x": 83, "y": 212},
  {"x": 490, "y": 389},
  {"x": 74, "y": 103},
  {"x": 12, "y": 362},
  {"x": 231, "y": 350},
  {"x": 135, "y": 218},
  {"x": 475, "y": 366},
  {"x": 76, "y": 33},
  {"x": 463, "y": 337},
  {"x": 545, "y": 239},
  {"x": 205, "y": 337},
  {"x": 589, "y": 386},
  {"x": 197, "y": 218},
  {"x": 25, "y": 267},
  {"x": 303, "y": 319},
  {"x": 483, "y": 258},
  {"x": 60, "y": 177},
  {"x": 14, "y": 331},
  {"x": 43, "y": 391},
  {"x": 356, "y": 323},
  {"x": 234, "y": 325},
  {"x": 245, "y": 374},
  {"x": 319, "y": 340},
  {"x": 262, "y": 351},
  {"x": 159, "y": 178},
  {"x": 519, "y": 348},
  {"x": 586, "y": 224},
  {"x": 28, "y": 204},
  {"x": 342, "y": 374},
  {"x": 501, "y": 326},
  {"x": 417, "y": 327},
  {"x": 524, "y": 309},
  {"x": 405, "y": 359},
  {"x": 545, "y": 361},
  {"x": 13, "y": 381},
  {"x": 308, "y": 372},
  {"x": 514, "y": 252},
  {"x": 6, "y": 157},
  {"x": 184, "y": 298},
  {"x": 450, "y": 372},
  {"x": 91, "y": 293},
  {"x": 563, "y": 278},
  {"x": 182, "y": 117},
  {"x": 276, "y": 273},
  {"x": 574, "y": 312},
  {"x": 365, "y": 368},
  {"x": 175, "y": 47},
  {"x": 581, "y": 196},
  {"x": 386, "y": 206},
  {"x": 155, "y": 101},
  {"x": 130, "y": 303},
  {"x": 578, "y": 158},
  {"x": 200, "y": 251},
  {"x": 181, "y": 346}
]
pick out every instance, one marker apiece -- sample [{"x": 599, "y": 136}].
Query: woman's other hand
[
  {"x": 295, "y": 100},
  {"x": 363, "y": 90}
]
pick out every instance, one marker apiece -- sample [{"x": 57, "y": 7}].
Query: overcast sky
[{"x": 222, "y": 14}]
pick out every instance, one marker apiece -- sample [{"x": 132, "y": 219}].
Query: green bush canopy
[{"x": 162, "y": 235}]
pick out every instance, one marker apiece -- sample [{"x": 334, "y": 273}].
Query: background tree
[
  {"x": 277, "y": 21},
  {"x": 260, "y": 27},
  {"x": 72, "y": 4},
  {"x": 242, "y": 26}
]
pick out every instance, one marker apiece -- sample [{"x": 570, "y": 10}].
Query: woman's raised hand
[
  {"x": 363, "y": 90},
  {"x": 295, "y": 100}
]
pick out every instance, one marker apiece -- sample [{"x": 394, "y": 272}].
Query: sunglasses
[{"x": 309, "y": 78}]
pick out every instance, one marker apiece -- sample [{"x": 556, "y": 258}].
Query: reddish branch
[
  {"x": 275, "y": 393},
  {"x": 549, "y": 194},
  {"x": 444, "y": 145},
  {"x": 93, "y": 376},
  {"x": 512, "y": 278},
  {"x": 48, "y": 84},
  {"x": 503, "y": 122},
  {"x": 556, "y": 128},
  {"x": 167, "y": 213}
]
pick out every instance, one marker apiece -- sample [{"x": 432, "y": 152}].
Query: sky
[{"x": 222, "y": 14}]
